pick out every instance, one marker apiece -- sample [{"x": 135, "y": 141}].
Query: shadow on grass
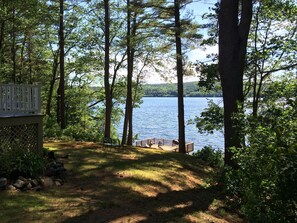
[
  {"x": 172, "y": 206},
  {"x": 116, "y": 195},
  {"x": 119, "y": 185},
  {"x": 17, "y": 206}
]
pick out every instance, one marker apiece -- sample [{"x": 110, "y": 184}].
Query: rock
[
  {"x": 57, "y": 183},
  {"x": 34, "y": 183},
  {"x": 47, "y": 182},
  {"x": 38, "y": 188},
  {"x": 3, "y": 182},
  {"x": 22, "y": 178},
  {"x": 60, "y": 180},
  {"x": 29, "y": 186},
  {"x": 55, "y": 169},
  {"x": 11, "y": 188},
  {"x": 19, "y": 184}
]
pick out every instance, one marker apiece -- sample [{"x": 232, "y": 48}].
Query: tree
[
  {"x": 108, "y": 96},
  {"x": 128, "y": 109},
  {"x": 271, "y": 46},
  {"x": 61, "y": 118},
  {"x": 174, "y": 29},
  {"x": 179, "y": 69},
  {"x": 234, "y": 24}
]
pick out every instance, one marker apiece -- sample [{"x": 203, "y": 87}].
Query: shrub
[
  {"x": 211, "y": 156},
  {"x": 19, "y": 161},
  {"x": 265, "y": 181}
]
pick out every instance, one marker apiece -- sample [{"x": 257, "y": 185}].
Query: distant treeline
[{"x": 191, "y": 89}]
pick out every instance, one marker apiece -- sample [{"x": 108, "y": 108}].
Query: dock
[{"x": 164, "y": 144}]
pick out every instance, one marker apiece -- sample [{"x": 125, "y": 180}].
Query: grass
[{"x": 121, "y": 185}]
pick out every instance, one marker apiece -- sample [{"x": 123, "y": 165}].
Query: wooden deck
[
  {"x": 164, "y": 144},
  {"x": 20, "y": 116}
]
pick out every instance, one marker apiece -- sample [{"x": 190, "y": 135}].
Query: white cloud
[{"x": 201, "y": 54}]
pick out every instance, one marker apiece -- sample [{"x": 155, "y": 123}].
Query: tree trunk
[
  {"x": 61, "y": 90},
  {"x": 130, "y": 97},
  {"x": 108, "y": 96},
  {"x": 179, "y": 67},
  {"x": 1, "y": 42},
  {"x": 52, "y": 84},
  {"x": 233, "y": 37},
  {"x": 128, "y": 109},
  {"x": 13, "y": 48}
]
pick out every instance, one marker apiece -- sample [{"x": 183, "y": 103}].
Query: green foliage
[
  {"x": 170, "y": 90},
  {"x": 82, "y": 133},
  {"x": 266, "y": 179},
  {"x": 208, "y": 76},
  {"x": 51, "y": 128},
  {"x": 211, "y": 156},
  {"x": 211, "y": 119},
  {"x": 20, "y": 161}
]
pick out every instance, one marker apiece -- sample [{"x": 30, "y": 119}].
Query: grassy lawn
[{"x": 121, "y": 185}]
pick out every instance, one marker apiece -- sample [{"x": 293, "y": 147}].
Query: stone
[
  {"x": 22, "y": 178},
  {"x": 11, "y": 188},
  {"x": 38, "y": 188},
  {"x": 55, "y": 169},
  {"x": 34, "y": 183},
  {"x": 57, "y": 183},
  {"x": 29, "y": 186},
  {"x": 60, "y": 180},
  {"x": 19, "y": 184},
  {"x": 3, "y": 182},
  {"x": 47, "y": 182}
]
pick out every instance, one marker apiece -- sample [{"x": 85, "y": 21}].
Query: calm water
[{"x": 157, "y": 118}]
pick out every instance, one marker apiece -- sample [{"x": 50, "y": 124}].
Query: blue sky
[{"x": 198, "y": 8}]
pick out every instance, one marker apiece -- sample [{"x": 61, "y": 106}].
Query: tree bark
[
  {"x": 61, "y": 90},
  {"x": 233, "y": 36},
  {"x": 13, "y": 48},
  {"x": 179, "y": 65},
  {"x": 52, "y": 84},
  {"x": 128, "y": 124},
  {"x": 108, "y": 96}
]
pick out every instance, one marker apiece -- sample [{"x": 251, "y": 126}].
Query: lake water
[{"x": 157, "y": 117}]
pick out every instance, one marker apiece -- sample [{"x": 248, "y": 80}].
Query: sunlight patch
[
  {"x": 177, "y": 206},
  {"x": 130, "y": 218}
]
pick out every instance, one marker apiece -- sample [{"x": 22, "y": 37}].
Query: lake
[{"x": 157, "y": 117}]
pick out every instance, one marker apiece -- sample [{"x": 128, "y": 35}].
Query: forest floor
[{"x": 121, "y": 185}]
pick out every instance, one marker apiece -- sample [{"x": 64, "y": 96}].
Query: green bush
[
  {"x": 19, "y": 161},
  {"x": 211, "y": 156},
  {"x": 265, "y": 182}
]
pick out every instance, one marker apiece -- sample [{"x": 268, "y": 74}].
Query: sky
[{"x": 198, "y": 8}]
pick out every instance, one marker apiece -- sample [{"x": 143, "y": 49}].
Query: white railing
[{"x": 17, "y": 99}]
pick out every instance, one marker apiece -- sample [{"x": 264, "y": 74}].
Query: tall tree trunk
[
  {"x": 130, "y": 96},
  {"x": 52, "y": 84},
  {"x": 108, "y": 96},
  {"x": 233, "y": 37},
  {"x": 30, "y": 60},
  {"x": 61, "y": 90},
  {"x": 1, "y": 42},
  {"x": 13, "y": 48},
  {"x": 128, "y": 109},
  {"x": 22, "y": 59},
  {"x": 179, "y": 65}
]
